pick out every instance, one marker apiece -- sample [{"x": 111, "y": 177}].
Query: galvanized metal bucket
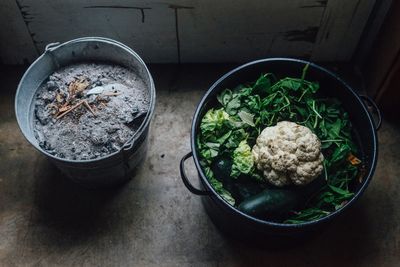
[{"x": 114, "y": 168}]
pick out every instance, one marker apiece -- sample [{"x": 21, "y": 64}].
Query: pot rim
[
  {"x": 130, "y": 142},
  {"x": 216, "y": 197}
]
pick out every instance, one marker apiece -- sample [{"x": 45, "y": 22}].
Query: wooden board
[
  {"x": 16, "y": 45},
  {"x": 382, "y": 67},
  {"x": 247, "y": 30},
  {"x": 372, "y": 30},
  {"x": 379, "y": 64},
  {"x": 203, "y": 31},
  {"x": 146, "y": 26},
  {"x": 341, "y": 28}
]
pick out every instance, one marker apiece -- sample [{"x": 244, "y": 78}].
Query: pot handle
[
  {"x": 376, "y": 110},
  {"x": 186, "y": 180}
]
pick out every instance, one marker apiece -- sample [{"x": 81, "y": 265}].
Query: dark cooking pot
[{"x": 229, "y": 219}]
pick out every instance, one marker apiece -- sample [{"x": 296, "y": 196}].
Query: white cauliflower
[{"x": 288, "y": 153}]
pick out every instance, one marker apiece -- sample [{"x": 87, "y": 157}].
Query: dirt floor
[{"x": 46, "y": 220}]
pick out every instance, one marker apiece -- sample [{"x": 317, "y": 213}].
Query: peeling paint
[
  {"x": 321, "y": 3},
  {"x": 141, "y": 9},
  {"x": 327, "y": 35},
  {"x": 354, "y": 12},
  {"x": 271, "y": 44},
  {"x": 180, "y": 7},
  {"x": 26, "y": 15},
  {"x": 28, "y": 18},
  {"x": 325, "y": 22},
  {"x": 178, "y": 42},
  {"x": 307, "y": 35}
]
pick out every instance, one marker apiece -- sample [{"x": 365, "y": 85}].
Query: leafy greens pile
[{"x": 230, "y": 129}]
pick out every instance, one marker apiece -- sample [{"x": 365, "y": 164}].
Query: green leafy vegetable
[
  {"x": 246, "y": 117},
  {"x": 213, "y": 121},
  {"x": 230, "y": 129},
  {"x": 218, "y": 187},
  {"x": 242, "y": 160}
]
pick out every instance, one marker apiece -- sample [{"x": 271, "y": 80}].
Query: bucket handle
[
  {"x": 51, "y": 46},
  {"x": 375, "y": 110},
  {"x": 186, "y": 180},
  {"x": 126, "y": 154},
  {"x": 49, "y": 49}
]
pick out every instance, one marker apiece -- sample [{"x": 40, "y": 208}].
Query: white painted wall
[{"x": 189, "y": 30}]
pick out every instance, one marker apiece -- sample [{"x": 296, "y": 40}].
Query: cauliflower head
[{"x": 287, "y": 154}]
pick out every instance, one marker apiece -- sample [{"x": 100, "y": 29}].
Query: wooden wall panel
[
  {"x": 385, "y": 52},
  {"x": 16, "y": 45},
  {"x": 341, "y": 28},
  {"x": 201, "y": 30},
  {"x": 382, "y": 69},
  {"x": 147, "y": 26},
  {"x": 245, "y": 30}
]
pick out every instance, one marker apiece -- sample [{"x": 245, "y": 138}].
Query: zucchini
[
  {"x": 276, "y": 201},
  {"x": 270, "y": 202},
  {"x": 245, "y": 188}
]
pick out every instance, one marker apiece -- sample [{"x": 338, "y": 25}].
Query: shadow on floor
[
  {"x": 345, "y": 240},
  {"x": 68, "y": 209}
]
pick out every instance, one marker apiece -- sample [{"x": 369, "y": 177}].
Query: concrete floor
[{"x": 153, "y": 220}]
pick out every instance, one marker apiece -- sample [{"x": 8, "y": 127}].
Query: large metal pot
[
  {"x": 238, "y": 224},
  {"x": 114, "y": 168}
]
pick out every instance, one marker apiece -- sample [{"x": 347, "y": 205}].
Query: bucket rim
[{"x": 130, "y": 142}]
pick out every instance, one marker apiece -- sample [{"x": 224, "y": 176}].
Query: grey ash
[{"x": 89, "y": 110}]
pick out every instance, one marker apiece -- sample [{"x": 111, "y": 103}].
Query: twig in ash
[
  {"x": 64, "y": 108},
  {"x": 84, "y": 102},
  {"x": 69, "y": 110},
  {"x": 88, "y": 107}
]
